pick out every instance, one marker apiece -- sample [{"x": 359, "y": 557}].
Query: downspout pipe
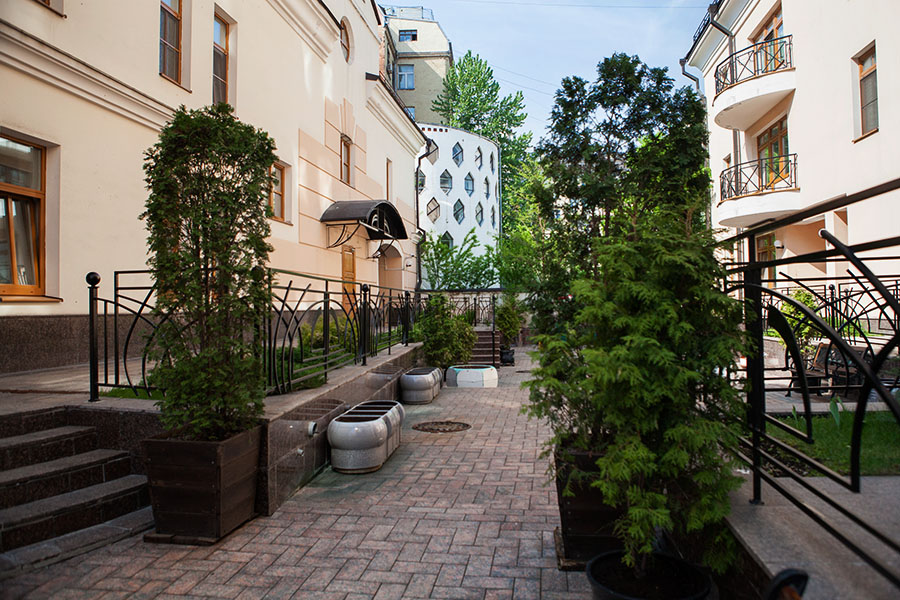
[
  {"x": 430, "y": 148},
  {"x": 735, "y": 135},
  {"x": 694, "y": 78}
]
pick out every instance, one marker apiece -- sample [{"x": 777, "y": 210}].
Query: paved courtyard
[{"x": 461, "y": 515}]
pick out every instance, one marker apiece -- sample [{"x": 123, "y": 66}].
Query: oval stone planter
[
  {"x": 365, "y": 436},
  {"x": 420, "y": 385},
  {"x": 670, "y": 577},
  {"x": 483, "y": 376}
]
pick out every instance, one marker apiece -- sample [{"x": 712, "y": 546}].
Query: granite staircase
[
  {"x": 60, "y": 493},
  {"x": 485, "y": 351}
]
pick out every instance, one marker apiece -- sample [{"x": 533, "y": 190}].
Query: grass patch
[
  {"x": 880, "y": 453},
  {"x": 128, "y": 393}
]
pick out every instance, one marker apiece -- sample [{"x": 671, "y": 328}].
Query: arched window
[{"x": 345, "y": 41}]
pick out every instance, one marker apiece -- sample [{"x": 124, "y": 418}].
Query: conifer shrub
[
  {"x": 206, "y": 216},
  {"x": 639, "y": 378},
  {"x": 446, "y": 339},
  {"x": 509, "y": 318}
]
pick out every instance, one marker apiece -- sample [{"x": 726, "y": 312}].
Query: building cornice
[
  {"x": 385, "y": 107},
  {"x": 30, "y": 55},
  {"x": 440, "y": 54},
  {"x": 312, "y": 21}
]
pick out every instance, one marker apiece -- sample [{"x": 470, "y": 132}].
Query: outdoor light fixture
[{"x": 779, "y": 244}]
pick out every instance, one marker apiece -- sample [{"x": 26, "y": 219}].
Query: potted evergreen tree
[
  {"x": 639, "y": 383},
  {"x": 509, "y": 323},
  {"x": 206, "y": 214}
]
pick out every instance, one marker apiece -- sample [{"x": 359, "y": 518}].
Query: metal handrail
[
  {"x": 758, "y": 176},
  {"x": 762, "y": 58}
]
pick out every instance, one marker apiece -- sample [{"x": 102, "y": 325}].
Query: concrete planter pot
[
  {"x": 483, "y": 376},
  {"x": 420, "y": 385},
  {"x": 365, "y": 436}
]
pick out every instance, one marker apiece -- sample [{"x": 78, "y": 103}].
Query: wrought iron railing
[
  {"x": 856, "y": 327},
  {"x": 761, "y": 58},
  {"x": 758, "y": 176},
  {"x": 314, "y": 325}
]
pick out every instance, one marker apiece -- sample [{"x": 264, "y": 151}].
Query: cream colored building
[
  {"x": 87, "y": 87},
  {"x": 424, "y": 55},
  {"x": 803, "y": 108}
]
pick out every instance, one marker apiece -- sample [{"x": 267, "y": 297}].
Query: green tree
[
  {"x": 446, "y": 339},
  {"x": 457, "y": 267},
  {"x": 471, "y": 101},
  {"x": 619, "y": 148},
  {"x": 209, "y": 184}
]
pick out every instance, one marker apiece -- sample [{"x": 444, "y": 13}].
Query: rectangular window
[
  {"x": 406, "y": 77},
  {"x": 276, "y": 198},
  {"x": 409, "y": 35},
  {"x": 345, "y": 159},
  {"x": 170, "y": 39},
  {"x": 220, "y": 61},
  {"x": 868, "y": 92},
  {"x": 22, "y": 199},
  {"x": 773, "y": 151},
  {"x": 765, "y": 251}
]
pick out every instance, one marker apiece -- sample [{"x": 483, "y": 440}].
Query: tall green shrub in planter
[
  {"x": 447, "y": 339},
  {"x": 206, "y": 215},
  {"x": 639, "y": 380}
]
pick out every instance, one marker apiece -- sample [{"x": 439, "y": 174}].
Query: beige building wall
[
  {"x": 87, "y": 87},
  {"x": 431, "y": 57},
  {"x": 819, "y": 97}
]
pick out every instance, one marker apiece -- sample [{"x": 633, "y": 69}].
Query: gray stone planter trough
[
  {"x": 365, "y": 436},
  {"x": 484, "y": 376},
  {"x": 420, "y": 385}
]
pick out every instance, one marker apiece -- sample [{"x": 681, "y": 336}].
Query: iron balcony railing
[
  {"x": 758, "y": 176},
  {"x": 759, "y": 59}
]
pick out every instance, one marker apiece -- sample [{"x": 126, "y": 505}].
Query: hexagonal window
[
  {"x": 479, "y": 159},
  {"x": 470, "y": 184},
  {"x": 479, "y": 213},
  {"x": 447, "y": 239},
  {"x": 459, "y": 211},
  {"x": 457, "y": 154},
  {"x": 434, "y": 210},
  {"x": 420, "y": 180},
  {"x": 446, "y": 181},
  {"x": 492, "y": 162},
  {"x": 493, "y": 218},
  {"x": 487, "y": 188}
]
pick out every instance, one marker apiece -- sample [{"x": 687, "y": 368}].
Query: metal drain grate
[{"x": 442, "y": 426}]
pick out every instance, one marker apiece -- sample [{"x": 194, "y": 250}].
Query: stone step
[
  {"x": 47, "y": 444},
  {"x": 27, "y": 558},
  {"x": 58, "y": 515},
  {"x": 21, "y": 423},
  {"x": 45, "y": 479}
]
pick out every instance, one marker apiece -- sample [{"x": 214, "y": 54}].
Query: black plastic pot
[
  {"x": 507, "y": 356},
  {"x": 667, "y": 578}
]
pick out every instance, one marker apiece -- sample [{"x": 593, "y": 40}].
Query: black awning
[{"x": 378, "y": 217}]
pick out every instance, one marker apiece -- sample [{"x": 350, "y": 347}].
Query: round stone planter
[
  {"x": 365, "y": 436},
  {"x": 483, "y": 376},
  {"x": 420, "y": 385}
]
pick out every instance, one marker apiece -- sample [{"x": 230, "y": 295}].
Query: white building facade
[
  {"x": 459, "y": 188},
  {"x": 802, "y": 108},
  {"x": 87, "y": 86}
]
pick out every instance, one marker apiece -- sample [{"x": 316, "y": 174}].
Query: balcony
[
  {"x": 751, "y": 192},
  {"x": 751, "y": 82}
]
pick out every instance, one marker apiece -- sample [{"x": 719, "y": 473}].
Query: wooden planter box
[
  {"x": 586, "y": 523},
  {"x": 201, "y": 491}
]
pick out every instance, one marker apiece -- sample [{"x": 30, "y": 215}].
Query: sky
[{"x": 533, "y": 44}]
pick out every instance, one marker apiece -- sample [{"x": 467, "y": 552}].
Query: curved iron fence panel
[{"x": 762, "y": 58}]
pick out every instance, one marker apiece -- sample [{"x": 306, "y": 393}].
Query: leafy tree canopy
[{"x": 447, "y": 268}]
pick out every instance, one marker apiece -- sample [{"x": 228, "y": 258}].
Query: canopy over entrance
[{"x": 377, "y": 217}]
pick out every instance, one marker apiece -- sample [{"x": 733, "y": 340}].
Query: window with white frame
[{"x": 406, "y": 77}]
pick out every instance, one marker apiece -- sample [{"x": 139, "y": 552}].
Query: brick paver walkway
[{"x": 462, "y": 515}]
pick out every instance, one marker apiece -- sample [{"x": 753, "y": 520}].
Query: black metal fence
[
  {"x": 314, "y": 326},
  {"x": 843, "y": 342},
  {"x": 761, "y": 58}
]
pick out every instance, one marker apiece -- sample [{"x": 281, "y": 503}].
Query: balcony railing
[
  {"x": 758, "y": 176},
  {"x": 762, "y": 58}
]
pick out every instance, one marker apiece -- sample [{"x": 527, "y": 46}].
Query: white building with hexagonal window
[{"x": 459, "y": 188}]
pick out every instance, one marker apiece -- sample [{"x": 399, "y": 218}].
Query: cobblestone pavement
[{"x": 461, "y": 515}]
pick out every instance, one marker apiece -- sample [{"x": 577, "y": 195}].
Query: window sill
[
  {"x": 173, "y": 82},
  {"x": 282, "y": 221},
  {"x": 30, "y": 299},
  {"x": 865, "y": 135}
]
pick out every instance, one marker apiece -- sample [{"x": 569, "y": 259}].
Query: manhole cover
[{"x": 442, "y": 426}]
